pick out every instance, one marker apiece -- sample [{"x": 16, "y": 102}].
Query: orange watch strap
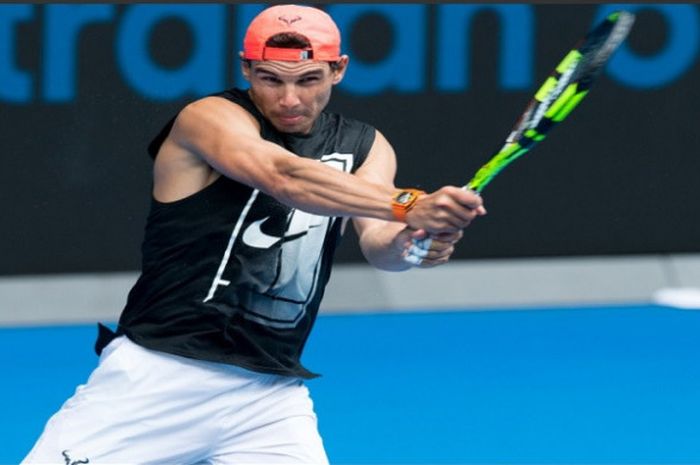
[{"x": 399, "y": 212}]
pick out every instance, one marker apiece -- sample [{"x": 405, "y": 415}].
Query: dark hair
[
  {"x": 288, "y": 40},
  {"x": 293, "y": 40}
]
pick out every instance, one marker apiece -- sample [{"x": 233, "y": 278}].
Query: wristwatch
[{"x": 402, "y": 202}]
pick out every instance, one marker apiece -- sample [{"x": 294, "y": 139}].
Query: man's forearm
[{"x": 383, "y": 245}]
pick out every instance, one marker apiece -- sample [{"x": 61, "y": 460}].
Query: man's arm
[
  {"x": 389, "y": 245},
  {"x": 213, "y": 136}
]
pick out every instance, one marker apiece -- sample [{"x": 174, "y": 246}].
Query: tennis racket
[{"x": 561, "y": 92}]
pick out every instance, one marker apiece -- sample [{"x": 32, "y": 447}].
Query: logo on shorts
[{"x": 70, "y": 461}]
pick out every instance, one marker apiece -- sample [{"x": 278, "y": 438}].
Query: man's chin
[{"x": 292, "y": 128}]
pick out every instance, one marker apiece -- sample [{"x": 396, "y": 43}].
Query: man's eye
[
  {"x": 309, "y": 80},
  {"x": 270, "y": 79}
]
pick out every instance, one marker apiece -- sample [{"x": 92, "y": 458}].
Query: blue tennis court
[{"x": 594, "y": 385}]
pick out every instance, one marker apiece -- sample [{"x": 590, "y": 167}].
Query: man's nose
[{"x": 289, "y": 98}]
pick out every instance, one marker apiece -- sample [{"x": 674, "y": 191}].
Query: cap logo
[{"x": 289, "y": 21}]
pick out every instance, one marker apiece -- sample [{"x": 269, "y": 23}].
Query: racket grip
[{"x": 467, "y": 188}]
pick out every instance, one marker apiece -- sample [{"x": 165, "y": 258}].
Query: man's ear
[
  {"x": 341, "y": 67},
  {"x": 245, "y": 67}
]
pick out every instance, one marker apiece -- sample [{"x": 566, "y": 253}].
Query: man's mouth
[{"x": 289, "y": 119}]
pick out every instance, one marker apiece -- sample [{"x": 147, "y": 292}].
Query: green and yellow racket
[{"x": 563, "y": 90}]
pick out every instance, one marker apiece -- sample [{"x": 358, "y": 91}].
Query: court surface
[{"x": 594, "y": 385}]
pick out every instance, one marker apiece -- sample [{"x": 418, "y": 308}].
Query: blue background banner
[{"x": 85, "y": 87}]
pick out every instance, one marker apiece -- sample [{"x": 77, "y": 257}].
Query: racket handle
[{"x": 475, "y": 191}]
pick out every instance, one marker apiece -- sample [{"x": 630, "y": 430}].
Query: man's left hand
[{"x": 428, "y": 250}]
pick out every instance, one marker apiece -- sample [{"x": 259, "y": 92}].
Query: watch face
[{"x": 404, "y": 197}]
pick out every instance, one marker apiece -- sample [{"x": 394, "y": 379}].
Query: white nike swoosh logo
[{"x": 254, "y": 237}]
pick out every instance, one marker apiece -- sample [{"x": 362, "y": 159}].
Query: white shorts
[{"x": 145, "y": 407}]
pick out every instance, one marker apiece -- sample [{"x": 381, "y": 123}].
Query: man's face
[{"x": 291, "y": 95}]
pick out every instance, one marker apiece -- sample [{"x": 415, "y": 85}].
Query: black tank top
[{"x": 231, "y": 275}]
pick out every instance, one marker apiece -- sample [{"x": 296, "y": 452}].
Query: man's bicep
[
  {"x": 380, "y": 165},
  {"x": 380, "y": 168}
]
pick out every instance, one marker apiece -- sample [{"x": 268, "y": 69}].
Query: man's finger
[{"x": 423, "y": 243}]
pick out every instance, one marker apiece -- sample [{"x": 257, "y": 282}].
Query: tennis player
[{"x": 251, "y": 192}]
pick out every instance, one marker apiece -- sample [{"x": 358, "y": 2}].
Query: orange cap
[{"x": 312, "y": 23}]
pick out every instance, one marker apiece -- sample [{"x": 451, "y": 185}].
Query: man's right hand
[{"x": 447, "y": 210}]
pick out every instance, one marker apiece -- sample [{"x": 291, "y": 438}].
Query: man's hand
[
  {"x": 447, "y": 210},
  {"x": 426, "y": 251}
]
